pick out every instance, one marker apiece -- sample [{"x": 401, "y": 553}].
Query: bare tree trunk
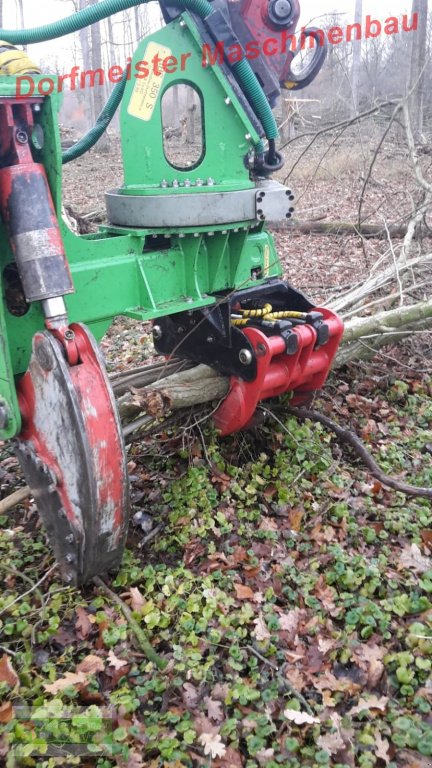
[
  {"x": 176, "y": 107},
  {"x": 191, "y": 109},
  {"x": 97, "y": 64},
  {"x": 356, "y": 63},
  {"x": 87, "y": 64},
  {"x": 418, "y": 65}
]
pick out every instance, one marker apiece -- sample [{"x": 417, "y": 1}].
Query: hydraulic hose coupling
[{"x": 15, "y": 62}]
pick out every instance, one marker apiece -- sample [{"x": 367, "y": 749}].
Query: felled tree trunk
[
  {"x": 162, "y": 394},
  {"x": 341, "y": 228}
]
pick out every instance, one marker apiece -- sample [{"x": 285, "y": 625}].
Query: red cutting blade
[{"x": 72, "y": 453}]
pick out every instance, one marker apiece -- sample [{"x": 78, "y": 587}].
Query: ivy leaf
[{"x": 212, "y": 744}]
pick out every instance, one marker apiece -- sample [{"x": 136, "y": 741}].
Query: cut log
[
  {"x": 340, "y": 228},
  {"x": 201, "y": 384}
]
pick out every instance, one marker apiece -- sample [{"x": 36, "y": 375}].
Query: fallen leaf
[
  {"x": 70, "y": 678},
  {"x": 261, "y": 632},
  {"x": 83, "y": 624},
  {"x": 264, "y": 755},
  {"x": 289, "y": 622},
  {"x": 331, "y": 743},
  {"x": 231, "y": 759},
  {"x": 115, "y": 662},
  {"x": 243, "y": 592},
  {"x": 411, "y": 557},
  {"x": 325, "y": 646},
  {"x": 367, "y": 704},
  {"x": 295, "y": 518},
  {"x": 214, "y": 709},
  {"x": 212, "y": 744},
  {"x": 137, "y": 599},
  {"x": 371, "y": 656},
  {"x": 412, "y": 759},
  {"x": 91, "y": 665},
  {"x": 190, "y": 695},
  {"x": 7, "y": 672},
  {"x": 426, "y": 536},
  {"x": 6, "y": 712},
  {"x": 220, "y": 691},
  {"x": 300, "y": 718},
  {"x": 382, "y": 747}
]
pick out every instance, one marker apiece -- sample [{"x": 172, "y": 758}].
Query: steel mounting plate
[{"x": 72, "y": 453}]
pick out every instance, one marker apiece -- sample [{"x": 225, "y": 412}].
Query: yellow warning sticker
[{"x": 146, "y": 91}]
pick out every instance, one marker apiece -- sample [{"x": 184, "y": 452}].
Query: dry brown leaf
[
  {"x": 231, "y": 759},
  {"x": 412, "y": 558},
  {"x": 264, "y": 755},
  {"x": 300, "y": 718},
  {"x": 212, "y": 744},
  {"x": 295, "y": 518},
  {"x": 220, "y": 691},
  {"x": 243, "y": 592},
  {"x": 372, "y": 655},
  {"x": 70, "y": 678},
  {"x": 325, "y": 646},
  {"x": 91, "y": 665},
  {"x": 296, "y": 678},
  {"x": 83, "y": 624},
  {"x": 7, "y": 672},
  {"x": 115, "y": 662},
  {"x": 214, "y": 709},
  {"x": 289, "y": 622},
  {"x": 6, "y": 712},
  {"x": 373, "y": 702},
  {"x": 331, "y": 743},
  {"x": 410, "y": 759},
  {"x": 261, "y": 632},
  {"x": 190, "y": 695},
  {"x": 137, "y": 599},
  {"x": 382, "y": 748},
  {"x": 328, "y": 682}
]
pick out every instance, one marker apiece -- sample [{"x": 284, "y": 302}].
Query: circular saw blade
[{"x": 72, "y": 454}]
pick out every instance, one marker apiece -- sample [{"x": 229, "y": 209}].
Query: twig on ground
[
  {"x": 33, "y": 588},
  {"x": 150, "y": 536},
  {"x": 15, "y": 498},
  {"x": 351, "y": 439},
  {"x": 140, "y": 635}
]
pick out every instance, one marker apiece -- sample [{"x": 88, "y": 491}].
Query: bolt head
[{"x": 245, "y": 356}]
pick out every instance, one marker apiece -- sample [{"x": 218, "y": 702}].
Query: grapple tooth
[{"x": 72, "y": 454}]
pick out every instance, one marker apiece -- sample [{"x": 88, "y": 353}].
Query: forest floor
[{"x": 287, "y": 590}]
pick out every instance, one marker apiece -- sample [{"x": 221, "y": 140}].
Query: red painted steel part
[
  {"x": 280, "y": 54},
  {"x": 302, "y": 373},
  {"x": 71, "y": 450}
]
